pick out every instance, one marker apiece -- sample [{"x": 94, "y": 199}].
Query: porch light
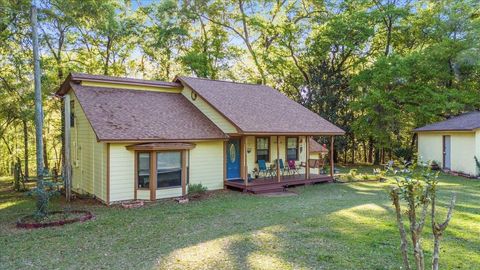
[{"x": 249, "y": 150}]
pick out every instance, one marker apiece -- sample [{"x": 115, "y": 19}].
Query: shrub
[
  {"x": 195, "y": 190},
  {"x": 478, "y": 165},
  {"x": 405, "y": 153},
  {"x": 43, "y": 194}
]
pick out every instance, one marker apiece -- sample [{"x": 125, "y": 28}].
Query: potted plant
[{"x": 255, "y": 173}]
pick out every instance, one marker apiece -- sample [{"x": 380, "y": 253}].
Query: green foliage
[
  {"x": 477, "y": 162},
  {"x": 377, "y": 69},
  {"x": 196, "y": 189},
  {"x": 43, "y": 193}
]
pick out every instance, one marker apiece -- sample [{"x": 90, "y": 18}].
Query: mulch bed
[{"x": 55, "y": 218}]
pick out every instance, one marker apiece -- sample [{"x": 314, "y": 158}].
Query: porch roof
[
  {"x": 315, "y": 147},
  {"x": 259, "y": 109}
]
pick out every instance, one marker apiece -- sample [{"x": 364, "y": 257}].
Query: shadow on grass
[{"x": 341, "y": 226}]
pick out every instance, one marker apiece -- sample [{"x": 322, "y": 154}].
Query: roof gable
[
  {"x": 464, "y": 122},
  {"x": 259, "y": 109}
]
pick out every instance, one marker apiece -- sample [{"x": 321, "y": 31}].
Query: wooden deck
[{"x": 266, "y": 185}]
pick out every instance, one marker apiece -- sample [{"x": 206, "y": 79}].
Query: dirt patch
[{"x": 55, "y": 218}]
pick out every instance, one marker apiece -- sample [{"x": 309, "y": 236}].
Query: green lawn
[{"x": 329, "y": 226}]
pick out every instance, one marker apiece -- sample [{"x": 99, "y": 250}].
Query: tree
[
  {"x": 41, "y": 194},
  {"x": 418, "y": 188}
]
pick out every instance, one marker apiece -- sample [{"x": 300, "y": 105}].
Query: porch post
[
  {"x": 307, "y": 153},
  {"x": 243, "y": 159},
  {"x": 153, "y": 176},
  {"x": 278, "y": 159},
  {"x": 331, "y": 156},
  {"x": 184, "y": 172}
]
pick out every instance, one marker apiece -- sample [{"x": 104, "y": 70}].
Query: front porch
[
  {"x": 269, "y": 184},
  {"x": 261, "y": 164}
]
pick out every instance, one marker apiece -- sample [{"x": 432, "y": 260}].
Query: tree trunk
[
  {"x": 25, "y": 148},
  {"x": 41, "y": 205},
  {"x": 45, "y": 154},
  {"x": 401, "y": 229},
  {"x": 438, "y": 230},
  {"x": 415, "y": 231},
  {"x": 365, "y": 155},
  {"x": 376, "y": 160},
  {"x": 370, "y": 150},
  {"x": 353, "y": 148}
]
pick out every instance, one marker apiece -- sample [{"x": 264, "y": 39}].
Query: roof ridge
[
  {"x": 223, "y": 81},
  {"x": 126, "y": 79}
]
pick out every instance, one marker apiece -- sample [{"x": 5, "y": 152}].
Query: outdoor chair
[
  {"x": 292, "y": 167},
  {"x": 262, "y": 168},
  {"x": 283, "y": 169}
]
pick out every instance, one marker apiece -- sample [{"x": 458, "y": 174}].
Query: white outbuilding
[{"x": 453, "y": 144}]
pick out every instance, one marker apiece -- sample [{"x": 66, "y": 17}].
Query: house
[
  {"x": 452, "y": 143},
  {"x": 132, "y": 139}
]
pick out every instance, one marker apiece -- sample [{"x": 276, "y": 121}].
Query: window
[
  {"x": 292, "y": 148},
  {"x": 143, "y": 174},
  {"x": 72, "y": 113},
  {"x": 169, "y": 169},
  {"x": 263, "y": 149}
]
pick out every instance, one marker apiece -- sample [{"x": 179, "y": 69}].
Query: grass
[{"x": 329, "y": 226}]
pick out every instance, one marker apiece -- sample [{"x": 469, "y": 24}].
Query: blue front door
[{"x": 233, "y": 159}]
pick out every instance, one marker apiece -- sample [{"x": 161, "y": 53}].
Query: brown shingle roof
[
  {"x": 315, "y": 147},
  {"x": 464, "y": 122},
  {"x": 259, "y": 108},
  {"x": 76, "y": 77},
  {"x": 130, "y": 115}
]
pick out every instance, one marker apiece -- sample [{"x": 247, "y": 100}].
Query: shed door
[{"x": 447, "y": 152}]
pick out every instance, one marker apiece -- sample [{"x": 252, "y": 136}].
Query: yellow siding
[
  {"x": 132, "y": 87},
  {"x": 430, "y": 147},
  {"x": 169, "y": 193},
  {"x": 251, "y": 164},
  {"x": 122, "y": 167},
  {"x": 210, "y": 112},
  {"x": 143, "y": 194},
  {"x": 477, "y": 148},
  {"x": 206, "y": 164},
  {"x": 88, "y": 156},
  {"x": 463, "y": 152}
]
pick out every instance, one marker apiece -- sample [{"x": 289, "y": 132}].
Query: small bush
[{"x": 196, "y": 190}]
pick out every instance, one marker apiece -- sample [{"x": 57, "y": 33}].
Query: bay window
[
  {"x": 143, "y": 172},
  {"x": 169, "y": 169}
]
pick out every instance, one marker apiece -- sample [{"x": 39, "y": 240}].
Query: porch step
[{"x": 266, "y": 189}]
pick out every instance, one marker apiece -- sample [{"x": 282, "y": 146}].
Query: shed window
[
  {"x": 169, "y": 169},
  {"x": 292, "y": 148},
  {"x": 143, "y": 173},
  {"x": 263, "y": 149}
]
